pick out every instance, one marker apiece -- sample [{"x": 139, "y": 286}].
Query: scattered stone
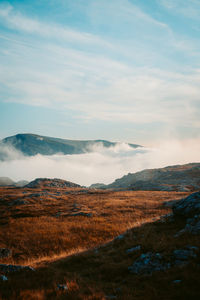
[
  {"x": 134, "y": 249},
  {"x": 3, "y": 278},
  {"x": 177, "y": 281},
  {"x": 62, "y": 287},
  {"x": 81, "y": 213},
  {"x": 5, "y": 268},
  {"x": 148, "y": 263},
  {"x": 5, "y": 252}
]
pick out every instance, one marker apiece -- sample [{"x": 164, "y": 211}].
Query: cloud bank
[{"x": 102, "y": 164}]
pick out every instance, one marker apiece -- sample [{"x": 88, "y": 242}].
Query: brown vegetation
[{"x": 46, "y": 231}]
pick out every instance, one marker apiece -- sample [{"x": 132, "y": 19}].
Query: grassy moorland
[{"x": 67, "y": 236}]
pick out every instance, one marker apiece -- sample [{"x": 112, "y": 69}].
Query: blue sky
[{"x": 89, "y": 69}]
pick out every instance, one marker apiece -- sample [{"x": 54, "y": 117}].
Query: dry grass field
[{"x": 68, "y": 236}]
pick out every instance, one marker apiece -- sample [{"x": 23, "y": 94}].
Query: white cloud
[
  {"x": 55, "y": 66},
  {"x": 103, "y": 164}
]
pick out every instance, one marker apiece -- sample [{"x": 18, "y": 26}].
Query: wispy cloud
[
  {"x": 128, "y": 69},
  {"x": 189, "y": 8}
]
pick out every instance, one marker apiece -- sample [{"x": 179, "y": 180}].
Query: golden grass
[{"x": 67, "y": 249}]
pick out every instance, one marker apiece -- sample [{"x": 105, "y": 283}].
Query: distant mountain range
[
  {"x": 32, "y": 144},
  {"x": 173, "y": 178},
  {"x": 6, "y": 181}
]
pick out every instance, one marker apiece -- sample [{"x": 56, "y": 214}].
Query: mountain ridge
[
  {"x": 184, "y": 177},
  {"x": 32, "y": 144}
]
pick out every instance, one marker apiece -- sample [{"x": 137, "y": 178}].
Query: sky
[{"x": 122, "y": 70}]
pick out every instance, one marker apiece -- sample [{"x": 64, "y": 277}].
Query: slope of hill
[
  {"x": 173, "y": 178},
  {"x": 47, "y": 182},
  {"x": 32, "y": 144}
]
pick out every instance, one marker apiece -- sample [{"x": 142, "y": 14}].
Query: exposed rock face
[
  {"x": 173, "y": 178},
  {"x": 14, "y": 268},
  {"x": 149, "y": 262},
  {"x": 46, "y": 182},
  {"x": 188, "y": 206}
]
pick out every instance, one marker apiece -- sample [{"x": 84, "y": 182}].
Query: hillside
[
  {"x": 32, "y": 144},
  {"x": 173, "y": 178}
]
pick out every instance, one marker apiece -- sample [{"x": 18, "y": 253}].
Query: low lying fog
[{"x": 101, "y": 165}]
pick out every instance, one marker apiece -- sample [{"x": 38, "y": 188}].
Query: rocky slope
[
  {"x": 47, "y": 182},
  {"x": 32, "y": 144},
  {"x": 173, "y": 178}
]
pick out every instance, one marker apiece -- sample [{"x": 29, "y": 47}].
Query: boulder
[
  {"x": 188, "y": 206},
  {"x": 148, "y": 263},
  {"x": 3, "y": 278}
]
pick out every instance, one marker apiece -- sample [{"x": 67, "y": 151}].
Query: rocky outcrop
[
  {"x": 47, "y": 182},
  {"x": 5, "y": 268},
  {"x": 148, "y": 263},
  {"x": 172, "y": 178},
  {"x": 188, "y": 206}
]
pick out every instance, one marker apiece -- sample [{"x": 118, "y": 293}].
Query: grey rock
[
  {"x": 5, "y": 252},
  {"x": 81, "y": 213},
  {"x": 192, "y": 226},
  {"x": 3, "y": 278},
  {"x": 177, "y": 281},
  {"x": 134, "y": 249},
  {"x": 5, "y": 268},
  {"x": 148, "y": 263},
  {"x": 188, "y": 206},
  {"x": 184, "y": 254}
]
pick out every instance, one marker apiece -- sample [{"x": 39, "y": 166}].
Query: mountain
[
  {"x": 172, "y": 178},
  {"x": 6, "y": 181},
  {"x": 47, "y": 182},
  {"x": 32, "y": 144}
]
